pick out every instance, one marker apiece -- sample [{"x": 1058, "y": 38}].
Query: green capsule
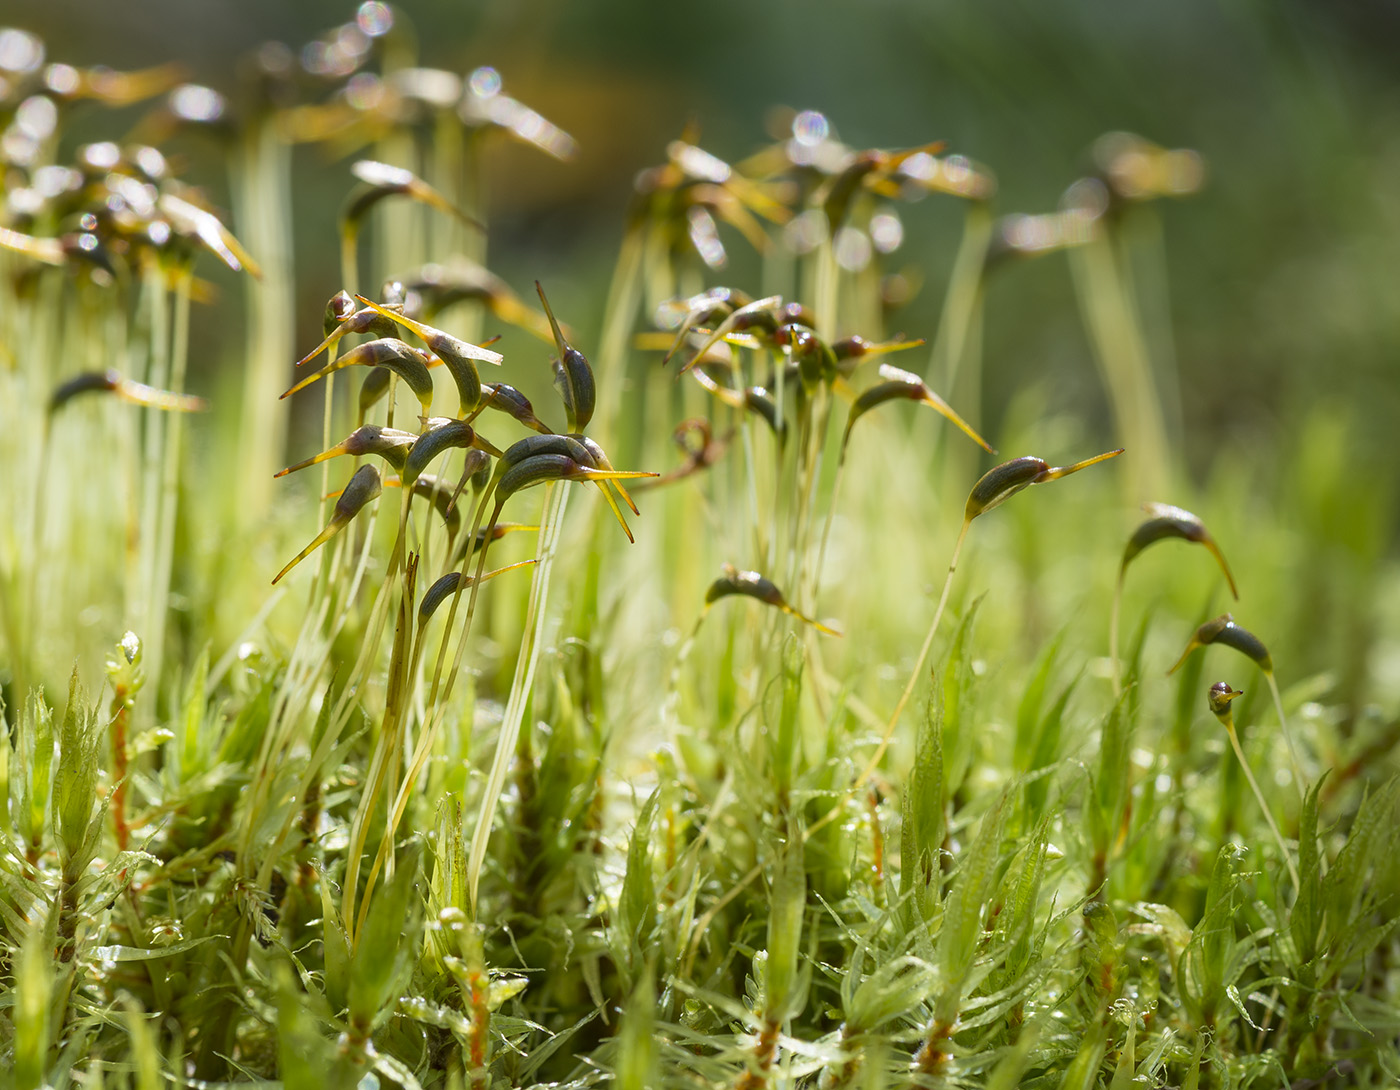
[
  {"x": 573, "y": 376},
  {"x": 909, "y": 387},
  {"x": 364, "y": 486},
  {"x": 446, "y": 436},
  {"x": 1000, "y": 483},
  {"x": 750, "y": 584},
  {"x": 407, "y": 362},
  {"x": 391, "y": 444},
  {"x": 1166, "y": 521}
]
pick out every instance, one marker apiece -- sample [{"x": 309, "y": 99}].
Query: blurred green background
[{"x": 1282, "y": 272}]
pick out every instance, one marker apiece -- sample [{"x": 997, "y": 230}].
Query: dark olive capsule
[
  {"x": 507, "y": 399},
  {"x": 438, "y": 593},
  {"x": 1000, "y": 483}
]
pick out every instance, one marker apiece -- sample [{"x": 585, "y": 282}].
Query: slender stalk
[
  {"x": 1263, "y": 805},
  {"x": 1298, "y": 780},
  {"x": 1113, "y": 636},
  {"x": 170, "y": 487},
  {"x": 874, "y": 761},
  {"x": 551, "y": 525}
]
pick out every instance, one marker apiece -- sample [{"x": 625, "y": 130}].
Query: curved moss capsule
[
  {"x": 1000, "y": 483},
  {"x": 507, "y": 399},
  {"x": 539, "y": 468},
  {"x": 759, "y": 314},
  {"x": 383, "y": 180},
  {"x": 457, "y": 355},
  {"x": 391, "y": 444},
  {"x": 364, "y": 321},
  {"x": 1219, "y": 697},
  {"x": 137, "y": 393},
  {"x": 573, "y": 376},
  {"x": 364, "y": 486},
  {"x": 439, "y": 438},
  {"x": 907, "y": 386},
  {"x": 373, "y": 389},
  {"x": 191, "y": 220},
  {"x": 339, "y": 307},
  {"x": 404, "y": 360},
  {"x": 751, "y": 584},
  {"x": 1165, "y": 521},
  {"x": 1224, "y": 630},
  {"x": 758, "y": 400}
]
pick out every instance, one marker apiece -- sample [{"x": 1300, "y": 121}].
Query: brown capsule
[
  {"x": 1002, "y": 482},
  {"x": 339, "y": 307},
  {"x": 540, "y": 468},
  {"x": 855, "y": 349},
  {"x": 409, "y": 363},
  {"x": 364, "y": 486},
  {"x": 573, "y": 376},
  {"x": 391, "y": 444},
  {"x": 751, "y": 584},
  {"x": 137, "y": 393},
  {"x": 903, "y": 384},
  {"x": 1219, "y": 697},
  {"x": 1224, "y": 630},
  {"x": 1165, "y": 521},
  {"x": 706, "y": 308}
]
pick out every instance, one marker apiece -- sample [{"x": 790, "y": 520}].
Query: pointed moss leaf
[{"x": 922, "y": 830}]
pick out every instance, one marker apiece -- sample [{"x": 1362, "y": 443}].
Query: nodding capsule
[
  {"x": 90, "y": 382},
  {"x": 1224, "y": 630},
  {"x": 532, "y": 470},
  {"x": 507, "y": 399},
  {"x": 384, "y": 180},
  {"x": 391, "y": 444},
  {"x": 365, "y": 320},
  {"x": 751, "y": 584},
  {"x": 364, "y": 486},
  {"x": 905, "y": 385},
  {"x": 1219, "y": 696},
  {"x": 573, "y": 376},
  {"x": 375, "y": 386},
  {"x": 1165, "y": 522},
  {"x": 1000, "y": 483},
  {"x": 407, "y": 362},
  {"x": 438, "y": 593},
  {"x": 453, "y": 433},
  {"x": 338, "y": 308}
]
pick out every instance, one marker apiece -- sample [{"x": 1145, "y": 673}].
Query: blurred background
[{"x": 1281, "y": 270}]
